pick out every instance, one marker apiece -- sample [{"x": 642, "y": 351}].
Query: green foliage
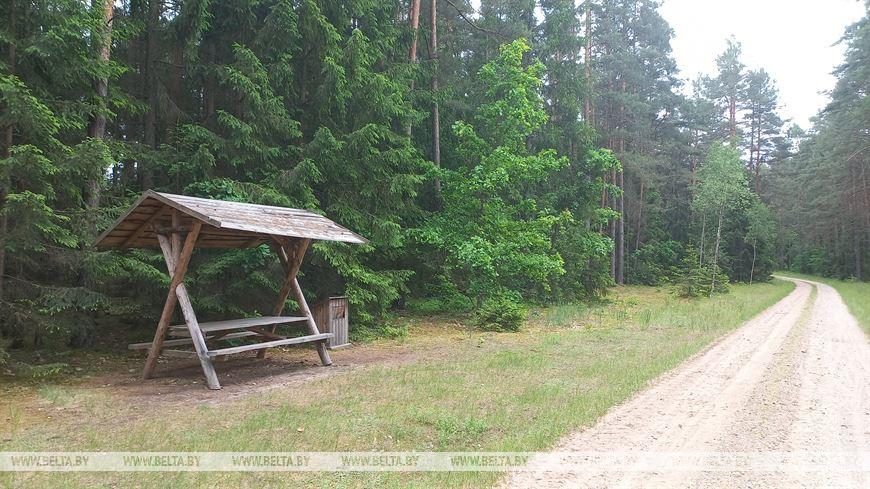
[
  {"x": 500, "y": 313},
  {"x": 694, "y": 279},
  {"x": 655, "y": 263},
  {"x": 820, "y": 193},
  {"x": 722, "y": 183},
  {"x": 493, "y": 232},
  {"x": 313, "y": 104}
]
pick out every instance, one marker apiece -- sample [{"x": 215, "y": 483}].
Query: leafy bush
[{"x": 500, "y": 313}]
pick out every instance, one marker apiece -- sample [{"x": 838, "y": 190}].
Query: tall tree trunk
[
  {"x": 732, "y": 118},
  {"x": 208, "y": 88},
  {"x": 639, "y": 219},
  {"x": 620, "y": 264},
  {"x": 703, "y": 240},
  {"x": 97, "y": 127},
  {"x": 620, "y": 255},
  {"x": 175, "y": 79},
  {"x": 866, "y": 194},
  {"x": 436, "y": 116},
  {"x": 693, "y": 161},
  {"x": 150, "y": 122},
  {"x": 414, "y": 20},
  {"x": 855, "y": 226},
  {"x": 752, "y": 145},
  {"x": 754, "y": 254},
  {"x": 587, "y": 65},
  {"x": 603, "y": 203},
  {"x": 6, "y": 148},
  {"x": 612, "y": 230},
  {"x": 716, "y": 253},
  {"x": 757, "y": 180}
]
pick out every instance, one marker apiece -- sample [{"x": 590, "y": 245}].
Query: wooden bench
[
  {"x": 270, "y": 344},
  {"x": 230, "y": 324},
  {"x": 189, "y": 341}
]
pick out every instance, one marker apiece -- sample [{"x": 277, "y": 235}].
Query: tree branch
[{"x": 472, "y": 24}]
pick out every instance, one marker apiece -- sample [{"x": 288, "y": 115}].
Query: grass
[
  {"x": 855, "y": 294},
  {"x": 480, "y": 392}
]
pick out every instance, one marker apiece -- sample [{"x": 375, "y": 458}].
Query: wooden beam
[
  {"x": 188, "y": 341},
  {"x": 180, "y": 353},
  {"x": 278, "y": 247},
  {"x": 312, "y": 326},
  {"x": 142, "y": 198},
  {"x": 177, "y": 273},
  {"x": 268, "y": 334},
  {"x": 294, "y": 261},
  {"x": 187, "y": 310},
  {"x": 175, "y": 238},
  {"x": 142, "y": 227},
  {"x": 178, "y": 206},
  {"x": 253, "y": 241},
  {"x": 319, "y": 338},
  {"x": 168, "y": 230}
]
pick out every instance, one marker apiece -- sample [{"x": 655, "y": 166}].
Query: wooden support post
[
  {"x": 177, "y": 274},
  {"x": 291, "y": 259},
  {"x": 172, "y": 256},
  {"x": 312, "y": 326}
]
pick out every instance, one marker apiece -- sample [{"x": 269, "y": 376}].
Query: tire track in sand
[{"x": 794, "y": 378}]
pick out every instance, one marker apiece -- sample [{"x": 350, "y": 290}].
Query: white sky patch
[{"x": 791, "y": 39}]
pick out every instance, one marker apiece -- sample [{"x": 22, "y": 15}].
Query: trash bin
[{"x": 331, "y": 317}]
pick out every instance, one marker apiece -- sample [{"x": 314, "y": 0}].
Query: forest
[{"x": 496, "y": 155}]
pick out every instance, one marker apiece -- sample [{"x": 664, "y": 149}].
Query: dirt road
[{"x": 795, "y": 378}]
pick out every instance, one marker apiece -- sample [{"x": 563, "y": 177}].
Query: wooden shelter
[{"x": 177, "y": 224}]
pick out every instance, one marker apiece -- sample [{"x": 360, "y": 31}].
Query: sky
[{"x": 792, "y": 39}]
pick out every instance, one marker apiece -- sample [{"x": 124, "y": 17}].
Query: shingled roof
[{"x": 225, "y": 224}]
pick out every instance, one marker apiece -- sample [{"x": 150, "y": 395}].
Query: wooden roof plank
[{"x": 228, "y": 224}]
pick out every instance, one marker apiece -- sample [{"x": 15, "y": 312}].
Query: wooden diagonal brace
[
  {"x": 196, "y": 335},
  {"x": 291, "y": 259},
  {"x": 291, "y": 265},
  {"x": 144, "y": 226},
  {"x": 169, "y": 307}
]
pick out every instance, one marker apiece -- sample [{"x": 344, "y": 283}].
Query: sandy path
[{"x": 794, "y": 378}]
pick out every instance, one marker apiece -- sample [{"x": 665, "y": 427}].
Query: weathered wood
[
  {"x": 331, "y": 316},
  {"x": 169, "y": 230},
  {"x": 267, "y": 334},
  {"x": 319, "y": 338},
  {"x": 176, "y": 271},
  {"x": 189, "y": 341},
  {"x": 187, "y": 310},
  {"x": 180, "y": 353},
  {"x": 213, "y": 326},
  {"x": 256, "y": 241},
  {"x": 294, "y": 254},
  {"x": 312, "y": 326},
  {"x": 245, "y": 219},
  {"x": 175, "y": 238},
  {"x": 143, "y": 227},
  {"x": 278, "y": 247},
  {"x": 222, "y": 224}
]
